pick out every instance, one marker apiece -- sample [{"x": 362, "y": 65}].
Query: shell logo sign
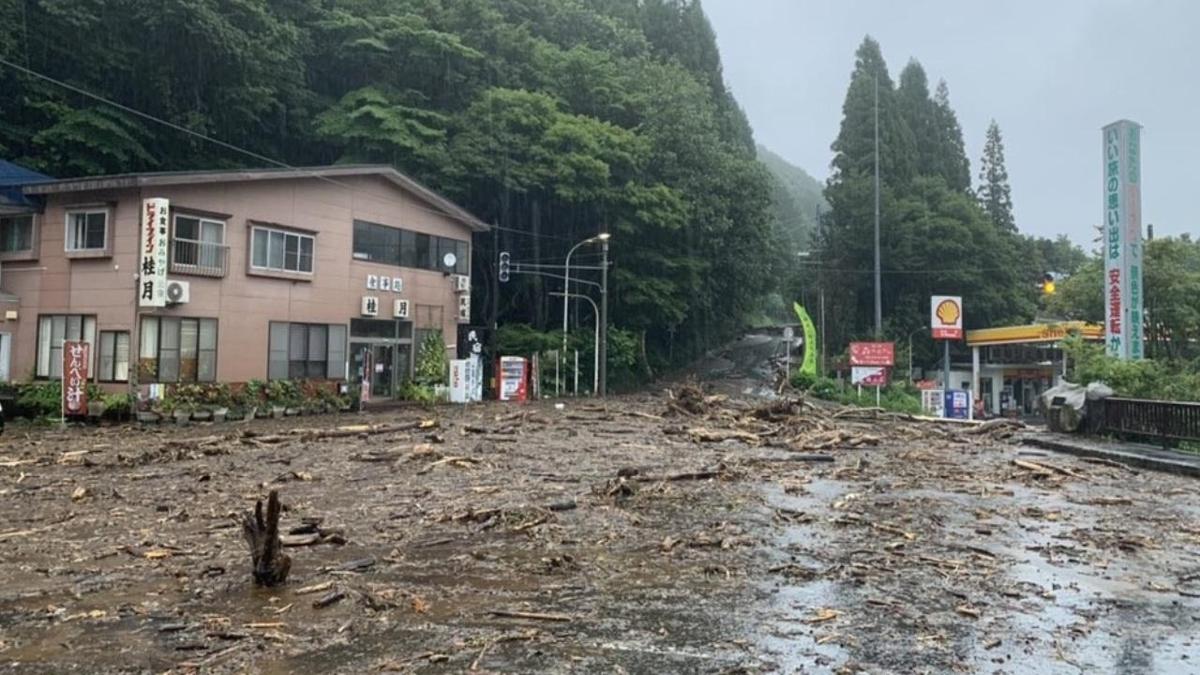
[{"x": 946, "y": 317}]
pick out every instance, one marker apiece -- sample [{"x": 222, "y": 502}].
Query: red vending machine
[{"x": 514, "y": 378}]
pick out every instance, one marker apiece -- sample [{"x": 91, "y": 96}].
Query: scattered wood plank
[
  {"x": 328, "y": 599},
  {"x": 531, "y": 616}
]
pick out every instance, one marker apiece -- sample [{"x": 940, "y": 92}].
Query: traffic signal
[
  {"x": 505, "y": 265},
  {"x": 1048, "y": 284}
]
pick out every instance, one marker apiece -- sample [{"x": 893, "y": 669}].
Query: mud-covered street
[{"x": 651, "y": 534}]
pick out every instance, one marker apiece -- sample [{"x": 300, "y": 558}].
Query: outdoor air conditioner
[
  {"x": 464, "y": 307},
  {"x": 178, "y": 292},
  {"x": 400, "y": 309},
  {"x": 462, "y": 283}
]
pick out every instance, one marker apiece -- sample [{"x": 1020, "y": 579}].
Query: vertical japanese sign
[
  {"x": 809, "y": 364},
  {"x": 152, "y": 284},
  {"x": 1123, "y": 240},
  {"x": 76, "y": 357}
]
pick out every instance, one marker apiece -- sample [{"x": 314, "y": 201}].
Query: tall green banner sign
[{"x": 809, "y": 365}]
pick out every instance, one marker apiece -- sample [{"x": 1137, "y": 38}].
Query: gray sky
[{"x": 1050, "y": 72}]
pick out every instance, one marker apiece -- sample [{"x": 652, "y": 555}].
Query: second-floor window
[
  {"x": 199, "y": 242},
  {"x": 405, "y": 248},
  {"x": 281, "y": 251},
  {"x": 16, "y": 233},
  {"x": 87, "y": 229}
]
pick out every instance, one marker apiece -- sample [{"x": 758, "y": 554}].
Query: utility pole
[
  {"x": 878, "y": 289},
  {"x": 604, "y": 318}
]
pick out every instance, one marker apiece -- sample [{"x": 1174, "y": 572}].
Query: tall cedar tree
[
  {"x": 995, "y": 196},
  {"x": 954, "y": 165}
]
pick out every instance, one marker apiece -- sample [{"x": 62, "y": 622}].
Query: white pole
[
  {"x": 876, "y": 396},
  {"x": 596, "y": 354},
  {"x": 576, "y": 372}
]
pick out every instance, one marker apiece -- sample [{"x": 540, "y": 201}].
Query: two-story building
[{"x": 272, "y": 274}]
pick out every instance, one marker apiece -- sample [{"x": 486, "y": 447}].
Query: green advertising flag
[{"x": 809, "y": 365}]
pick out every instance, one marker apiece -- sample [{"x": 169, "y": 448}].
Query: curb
[{"x": 1177, "y": 463}]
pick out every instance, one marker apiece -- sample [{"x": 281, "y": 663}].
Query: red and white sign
[
  {"x": 152, "y": 279},
  {"x": 872, "y": 354},
  {"x": 869, "y": 376},
  {"x": 946, "y": 317},
  {"x": 76, "y": 357}
]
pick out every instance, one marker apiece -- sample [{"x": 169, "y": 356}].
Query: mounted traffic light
[
  {"x": 1047, "y": 284},
  {"x": 505, "y": 265}
]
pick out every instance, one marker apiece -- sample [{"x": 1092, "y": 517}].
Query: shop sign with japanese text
[
  {"x": 76, "y": 356},
  {"x": 872, "y": 354},
  {"x": 152, "y": 274},
  {"x": 1123, "y": 240}
]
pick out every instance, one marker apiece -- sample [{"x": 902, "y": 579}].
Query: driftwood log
[{"x": 271, "y": 564}]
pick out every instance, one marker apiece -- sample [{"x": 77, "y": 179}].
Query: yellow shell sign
[
  {"x": 947, "y": 312},
  {"x": 946, "y": 317}
]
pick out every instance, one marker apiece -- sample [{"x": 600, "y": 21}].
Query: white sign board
[
  {"x": 459, "y": 384},
  {"x": 1123, "y": 240},
  {"x": 152, "y": 274},
  {"x": 869, "y": 376}
]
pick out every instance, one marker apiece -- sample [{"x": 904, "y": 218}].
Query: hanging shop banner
[
  {"x": 809, "y": 364},
  {"x": 152, "y": 279},
  {"x": 1123, "y": 240},
  {"x": 946, "y": 317},
  {"x": 76, "y": 356}
]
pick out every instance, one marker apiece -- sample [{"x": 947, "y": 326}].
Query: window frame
[
  {"x": 33, "y": 218},
  {"x": 268, "y": 231},
  {"x": 86, "y": 211},
  {"x": 84, "y": 321},
  {"x": 101, "y": 376},
  {"x": 336, "y": 347},
  {"x": 409, "y": 254},
  {"x": 177, "y": 347}
]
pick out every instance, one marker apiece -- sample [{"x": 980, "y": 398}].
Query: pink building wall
[{"x": 243, "y": 304}]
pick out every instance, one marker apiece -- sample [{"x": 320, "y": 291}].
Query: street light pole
[
  {"x": 595, "y": 346},
  {"x": 878, "y": 288},
  {"x": 603, "y": 236},
  {"x": 604, "y": 316}
]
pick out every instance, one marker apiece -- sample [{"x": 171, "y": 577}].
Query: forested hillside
[
  {"x": 797, "y": 200},
  {"x": 554, "y": 119}
]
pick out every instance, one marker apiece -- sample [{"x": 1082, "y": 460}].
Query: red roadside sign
[
  {"x": 872, "y": 354},
  {"x": 76, "y": 355}
]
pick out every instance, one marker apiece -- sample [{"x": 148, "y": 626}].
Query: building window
[
  {"x": 16, "y": 233},
  {"x": 281, "y": 251},
  {"x": 114, "y": 356},
  {"x": 87, "y": 230},
  {"x": 306, "y": 351},
  {"x": 178, "y": 350},
  {"x": 402, "y": 248},
  {"x": 198, "y": 245},
  {"x": 53, "y": 329}
]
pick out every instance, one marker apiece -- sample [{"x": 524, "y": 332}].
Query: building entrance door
[{"x": 381, "y": 379}]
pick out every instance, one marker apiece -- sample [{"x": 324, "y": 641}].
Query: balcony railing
[{"x": 200, "y": 258}]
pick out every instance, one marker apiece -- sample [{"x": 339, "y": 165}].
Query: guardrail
[
  {"x": 1168, "y": 422},
  {"x": 200, "y": 258}
]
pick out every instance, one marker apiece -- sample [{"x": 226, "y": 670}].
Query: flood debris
[
  {"x": 689, "y": 531},
  {"x": 270, "y": 564}
]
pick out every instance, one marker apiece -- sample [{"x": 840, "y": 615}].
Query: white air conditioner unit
[
  {"x": 178, "y": 292},
  {"x": 464, "y": 307},
  {"x": 462, "y": 283},
  {"x": 400, "y": 309},
  {"x": 370, "y": 305}
]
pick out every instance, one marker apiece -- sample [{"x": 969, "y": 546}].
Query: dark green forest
[
  {"x": 939, "y": 233},
  {"x": 554, "y": 120}
]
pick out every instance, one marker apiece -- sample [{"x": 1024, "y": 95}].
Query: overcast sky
[{"x": 1050, "y": 72}]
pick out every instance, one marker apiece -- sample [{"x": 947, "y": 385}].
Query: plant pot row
[{"x": 224, "y": 414}]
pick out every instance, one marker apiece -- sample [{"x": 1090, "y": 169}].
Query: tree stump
[{"x": 271, "y": 565}]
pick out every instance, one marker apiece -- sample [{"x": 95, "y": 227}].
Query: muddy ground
[{"x": 592, "y": 539}]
